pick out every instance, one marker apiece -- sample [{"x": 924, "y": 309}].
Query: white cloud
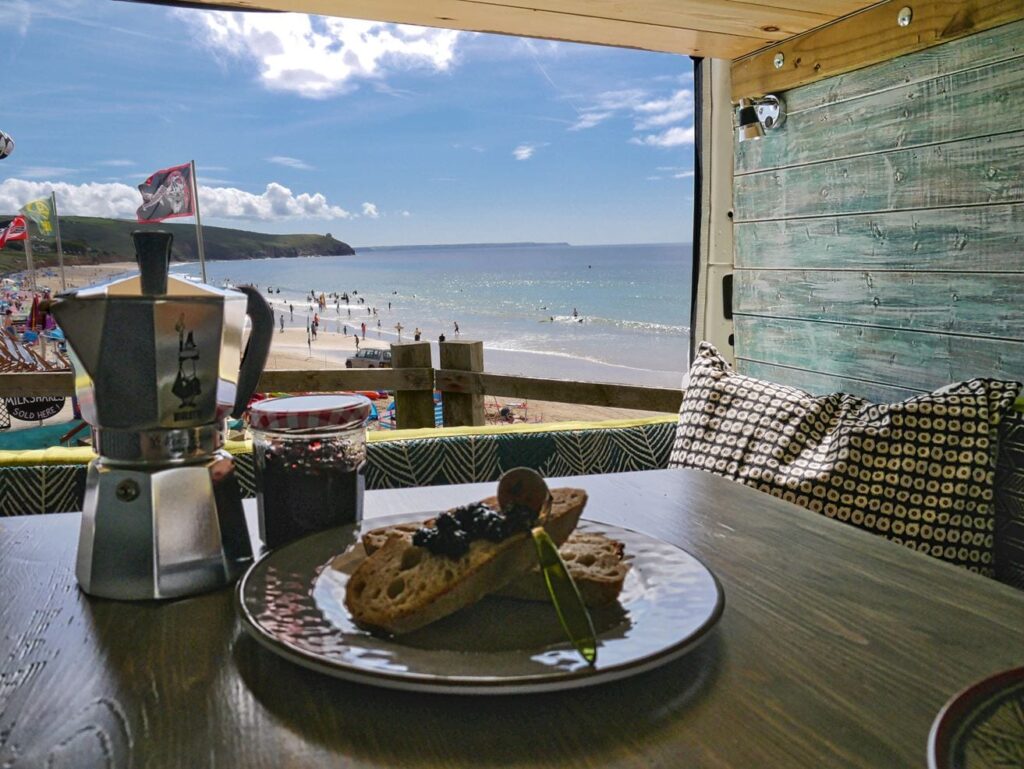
[
  {"x": 370, "y": 210},
  {"x": 119, "y": 201},
  {"x": 663, "y": 112},
  {"x": 406, "y": 213},
  {"x": 317, "y": 57},
  {"x": 524, "y": 151},
  {"x": 116, "y": 163},
  {"x": 284, "y": 160},
  {"x": 672, "y": 137},
  {"x": 648, "y": 112},
  {"x": 589, "y": 120},
  {"x": 683, "y": 175},
  {"x": 43, "y": 172}
]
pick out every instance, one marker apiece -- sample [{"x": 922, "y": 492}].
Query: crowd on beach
[{"x": 314, "y": 311}]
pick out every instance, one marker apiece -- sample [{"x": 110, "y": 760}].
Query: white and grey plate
[{"x": 292, "y": 602}]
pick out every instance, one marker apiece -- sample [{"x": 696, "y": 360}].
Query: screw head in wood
[
  {"x": 905, "y": 16},
  {"x": 779, "y": 60}
]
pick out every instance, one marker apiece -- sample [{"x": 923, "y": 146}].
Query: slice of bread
[
  {"x": 594, "y": 561},
  {"x": 401, "y": 587},
  {"x": 595, "y": 564},
  {"x": 557, "y": 525}
]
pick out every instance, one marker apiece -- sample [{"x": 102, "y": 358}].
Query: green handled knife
[{"x": 569, "y": 606}]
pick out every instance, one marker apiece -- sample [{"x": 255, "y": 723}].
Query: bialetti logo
[{"x": 187, "y": 386}]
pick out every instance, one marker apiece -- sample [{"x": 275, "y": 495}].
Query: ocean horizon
[{"x": 615, "y": 313}]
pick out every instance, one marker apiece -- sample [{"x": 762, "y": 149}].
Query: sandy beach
[{"x": 329, "y": 351}]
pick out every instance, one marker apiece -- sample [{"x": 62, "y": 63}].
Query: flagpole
[
  {"x": 199, "y": 224},
  {"x": 28, "y": 257},
  {"x": 60, "y": 250}
]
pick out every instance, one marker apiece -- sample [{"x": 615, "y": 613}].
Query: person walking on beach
[
  {"x": 398, "y": 328},
  {"x": 389, "y": 305},
  {"x": 357, "y": 341},
  {"x": 282, "y": 322},
  {"x": 364, "y": 330},
  {"x": 291, "y": 309},
  {"x": 416, "y": 336},
  {"x": 456, "y": 328},
  {"x": 314, "y": 330}
]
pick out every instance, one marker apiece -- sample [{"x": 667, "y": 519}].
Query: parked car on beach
[{"x": 370, "y": 357}]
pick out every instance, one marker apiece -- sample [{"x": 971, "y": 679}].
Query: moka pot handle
[{"x": 255, "y": 356}]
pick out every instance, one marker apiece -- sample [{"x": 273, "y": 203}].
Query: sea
[{"x": 615, "y": 314}]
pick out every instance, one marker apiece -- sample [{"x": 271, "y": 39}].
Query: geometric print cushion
[
  {"x": 26, "y": 490},
  {"x": 1010, "y": 501},
  {"x": 919, "y": 472}
]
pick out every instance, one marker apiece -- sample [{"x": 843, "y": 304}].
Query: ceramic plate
[
  {"x": 292, "y": 602},
  {"x": 982, "y": 727}
]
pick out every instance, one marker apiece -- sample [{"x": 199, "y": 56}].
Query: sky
[{"x": 379, "y": 134}]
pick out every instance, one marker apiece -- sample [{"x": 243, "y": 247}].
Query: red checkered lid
[{"x": 309, "y": 412}]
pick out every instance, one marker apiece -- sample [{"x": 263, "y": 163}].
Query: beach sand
[{"x": 290, "y": 351}]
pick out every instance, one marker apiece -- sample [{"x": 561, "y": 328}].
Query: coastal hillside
[{"x": 92, "y": 240}]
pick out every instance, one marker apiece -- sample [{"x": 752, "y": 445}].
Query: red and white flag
[
  {"x": 166, "y": 194},
  {"x": 16, "y": 229}
]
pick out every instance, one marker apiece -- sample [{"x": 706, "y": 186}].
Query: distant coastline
[{"x": 456, "y": 246}]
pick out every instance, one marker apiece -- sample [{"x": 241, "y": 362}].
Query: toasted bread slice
[
  {"x": 593, "y": 560},
  {"x": 557, "y": 525},
  {"x": 401, "y": 587},
  {"x": 595, "y": 564}
]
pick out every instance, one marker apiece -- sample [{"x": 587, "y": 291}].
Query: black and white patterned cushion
[{"x": 919, "y": 472}]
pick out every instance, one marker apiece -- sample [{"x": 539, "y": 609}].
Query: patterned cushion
[
  {"x": 399, "y": 462},
  {"x": 1010, "y": 502},
  {"x": 919, "y": 472}
]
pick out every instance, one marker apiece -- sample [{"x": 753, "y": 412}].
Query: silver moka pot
[{"x": 156, "y": 361}]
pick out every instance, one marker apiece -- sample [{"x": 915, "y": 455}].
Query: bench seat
[{"x": 53, "y": 480}]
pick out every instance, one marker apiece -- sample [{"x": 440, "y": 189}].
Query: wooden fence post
[
  {"x": 413, "y": 408},
  {"x": 462, "y": 408}
]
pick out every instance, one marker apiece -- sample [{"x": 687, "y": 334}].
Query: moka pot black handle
[{"x": 256, "y": 351}]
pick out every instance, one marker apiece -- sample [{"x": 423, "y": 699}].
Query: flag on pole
[
  {"x": 166, "y": 194},
  {"x": 39, "y": 211},
  {"x": 16, "y": 229}
]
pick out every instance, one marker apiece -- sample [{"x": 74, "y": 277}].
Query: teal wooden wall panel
[
  {"x": 961, "y": 173},
  {"x": 976, "y": 239},
  {"x": 879, "y": 236},
  {"x": 912, "y": 359},
  {"x": 822, "y": 384},
  {"x": 946, "y": 302},
  {"x": 900, "y": 118},
  {"x": 999, "y": 44}
]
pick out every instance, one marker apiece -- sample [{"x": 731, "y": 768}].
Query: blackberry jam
[{"x": 310, "y": 459}]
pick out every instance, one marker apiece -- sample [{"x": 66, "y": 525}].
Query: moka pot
[{"x": 156, "y": 361}]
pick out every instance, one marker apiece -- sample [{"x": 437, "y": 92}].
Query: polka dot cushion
[{"x": 919, "y": 472}]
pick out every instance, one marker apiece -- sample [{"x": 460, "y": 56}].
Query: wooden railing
[{"x": 461, "y": 379}]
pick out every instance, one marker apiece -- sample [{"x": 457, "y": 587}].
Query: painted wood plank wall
[{"x": 879, "y": 235}]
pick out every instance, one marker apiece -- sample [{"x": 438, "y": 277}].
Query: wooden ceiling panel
[{"x": 726, "y": 29}]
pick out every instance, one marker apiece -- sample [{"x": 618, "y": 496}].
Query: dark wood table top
[{"x": 836, "y": 649}]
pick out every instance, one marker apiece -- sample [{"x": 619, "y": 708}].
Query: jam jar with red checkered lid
[{"x": 310, "y": 461}]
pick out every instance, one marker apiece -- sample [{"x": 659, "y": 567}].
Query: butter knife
[{"x": 565, "y": 596}]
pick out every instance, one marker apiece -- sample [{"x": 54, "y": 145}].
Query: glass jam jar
[{"x": 310, "y": 460}]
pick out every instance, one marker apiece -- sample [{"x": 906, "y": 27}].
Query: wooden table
[{"x": 836, "y": 649}]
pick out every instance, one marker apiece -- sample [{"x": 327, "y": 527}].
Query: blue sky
[{"x": 378, "y": 134}]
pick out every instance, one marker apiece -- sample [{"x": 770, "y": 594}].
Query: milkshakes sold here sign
[{"x": 35, "y": 407}]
